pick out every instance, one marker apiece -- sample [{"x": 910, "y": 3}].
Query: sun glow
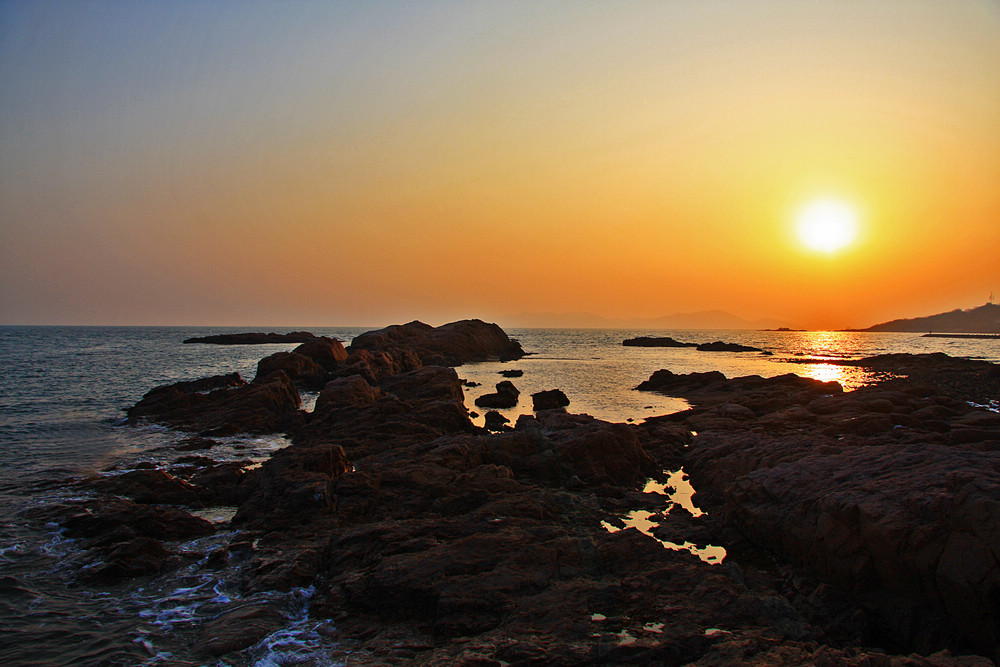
[{"x": 826, "y": 225}]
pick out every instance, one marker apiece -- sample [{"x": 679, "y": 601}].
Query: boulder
[
  {"x": 327, "y": 352},
  {"x": 304, "y": 371},
  {"x": 494, "y": 421},
  {"x": 450, "y": 344},
  {"x": 552, "y": 399},
  {"x": 238, "y": 629},
  {"x": 506, "y": 396}
]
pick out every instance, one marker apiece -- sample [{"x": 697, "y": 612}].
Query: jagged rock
[
  {"x": 552, "y": 399},
  {"x": 222, "y": 405},
  {"x": 375, "y": 366},
  {"x": 148, "y": 487},
  {"x": 506, "y": 396},
  {"x": 304, "y": 371}
]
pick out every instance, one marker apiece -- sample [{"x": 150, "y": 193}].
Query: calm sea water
[{"x": 63, "y": 392}]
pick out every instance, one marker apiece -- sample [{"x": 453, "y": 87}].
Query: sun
[{"x": 826, "y": 225}]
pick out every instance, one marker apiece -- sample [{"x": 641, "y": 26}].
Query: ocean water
[{"x": 63, "y": 392}]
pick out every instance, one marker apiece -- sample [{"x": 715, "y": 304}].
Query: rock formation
[
  {"x": 505, "y": 396},
  {"x": 855, "y": 523},
  {"x": 253, "y": 338}
]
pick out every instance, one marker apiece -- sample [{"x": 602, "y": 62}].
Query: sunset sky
[{"x": 364, "y": 163}]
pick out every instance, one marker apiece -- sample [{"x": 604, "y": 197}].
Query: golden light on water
[{"x": 825, "y": 372}]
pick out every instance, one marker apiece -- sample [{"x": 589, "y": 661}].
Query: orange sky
[{"x": 313, "y": 164}]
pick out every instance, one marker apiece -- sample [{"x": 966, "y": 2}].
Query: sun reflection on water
[{"x": 825, "y": 372}]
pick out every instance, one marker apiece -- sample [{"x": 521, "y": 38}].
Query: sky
[{"x": 367, "y": 163}]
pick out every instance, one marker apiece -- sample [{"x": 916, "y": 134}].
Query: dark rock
[
  {"x": 325, "y": 351},
  {"x": 237, "y": 629},
  {"x": 120, "y": 539},
  {"x": 719, "y": 346},
  {"x": 295, "y": 484},
  {"x": 222, "y": 405},
  {"x": 253, "y": 338},
  {"x": 194, "y": 444},
  {"x": 105, "y": 516},
  {"x": 552, "y": 399},
  {"x": 495, "y": 421},
  {"x": 447, "y": 345},
  {"x": 375, "y": 366},
  {"x": 652, "y": 341},
  {"x": 512, "y": 373},
  {"x": 304, "y": 371},
  {"x": 350, "y": 391},
  {"x": 148, "y": 487},
  {"x": 506, "y": 396}
]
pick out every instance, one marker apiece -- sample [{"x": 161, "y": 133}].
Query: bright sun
[{"x": 826, "y": 225}]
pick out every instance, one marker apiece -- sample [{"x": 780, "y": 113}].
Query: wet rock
[
  {"x": 108, "y": 516},
  {"x": 148, "y": 487},
  {"x": 237, "y": 629},
  {"x": 552, "y": 399},
  {"x": 505, "y": 396},
  {"x": 222, "y": 405},
  {"x": 120, "y": 539},
  {"x": 194, "y": 444}
]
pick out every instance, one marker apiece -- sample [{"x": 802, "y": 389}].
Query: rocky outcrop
[
  {"x": 505, "y": 396},
  {"x": 253, "y": 338},
  {"x": 655, "y": 341},
  {"x": 222, "y": 405},
  {"x": 888, "y": 494},
  {"x": 120, "y": 539},
  {"x": 720, "y": 346},
  {"x": 302, "y": 370},
  {"x": 447, "y": 345},
  {"x": 667, "y": 341},
  {"x": 848, "y": 518}
]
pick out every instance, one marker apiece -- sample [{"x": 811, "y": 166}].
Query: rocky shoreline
[{"x": 861, "y": 528}]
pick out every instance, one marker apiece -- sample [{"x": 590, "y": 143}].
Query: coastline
[{"x": 389, "y": 458}]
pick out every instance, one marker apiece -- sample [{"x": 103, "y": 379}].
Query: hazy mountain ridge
[
  {"x": 708, "y": 319},
  {"x": 984, "y": 319}
]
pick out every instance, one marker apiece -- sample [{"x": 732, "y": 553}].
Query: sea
[{"x": 63, "y": 396}]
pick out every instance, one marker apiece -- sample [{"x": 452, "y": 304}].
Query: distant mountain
[
  {"x": 709, "y": 319},
  {"x": 984, "y": 319}
]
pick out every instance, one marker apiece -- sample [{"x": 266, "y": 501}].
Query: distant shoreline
[{"x": 962, "y": 335}]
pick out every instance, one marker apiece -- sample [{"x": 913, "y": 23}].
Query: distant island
[{"x": 982, "y": 320}]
